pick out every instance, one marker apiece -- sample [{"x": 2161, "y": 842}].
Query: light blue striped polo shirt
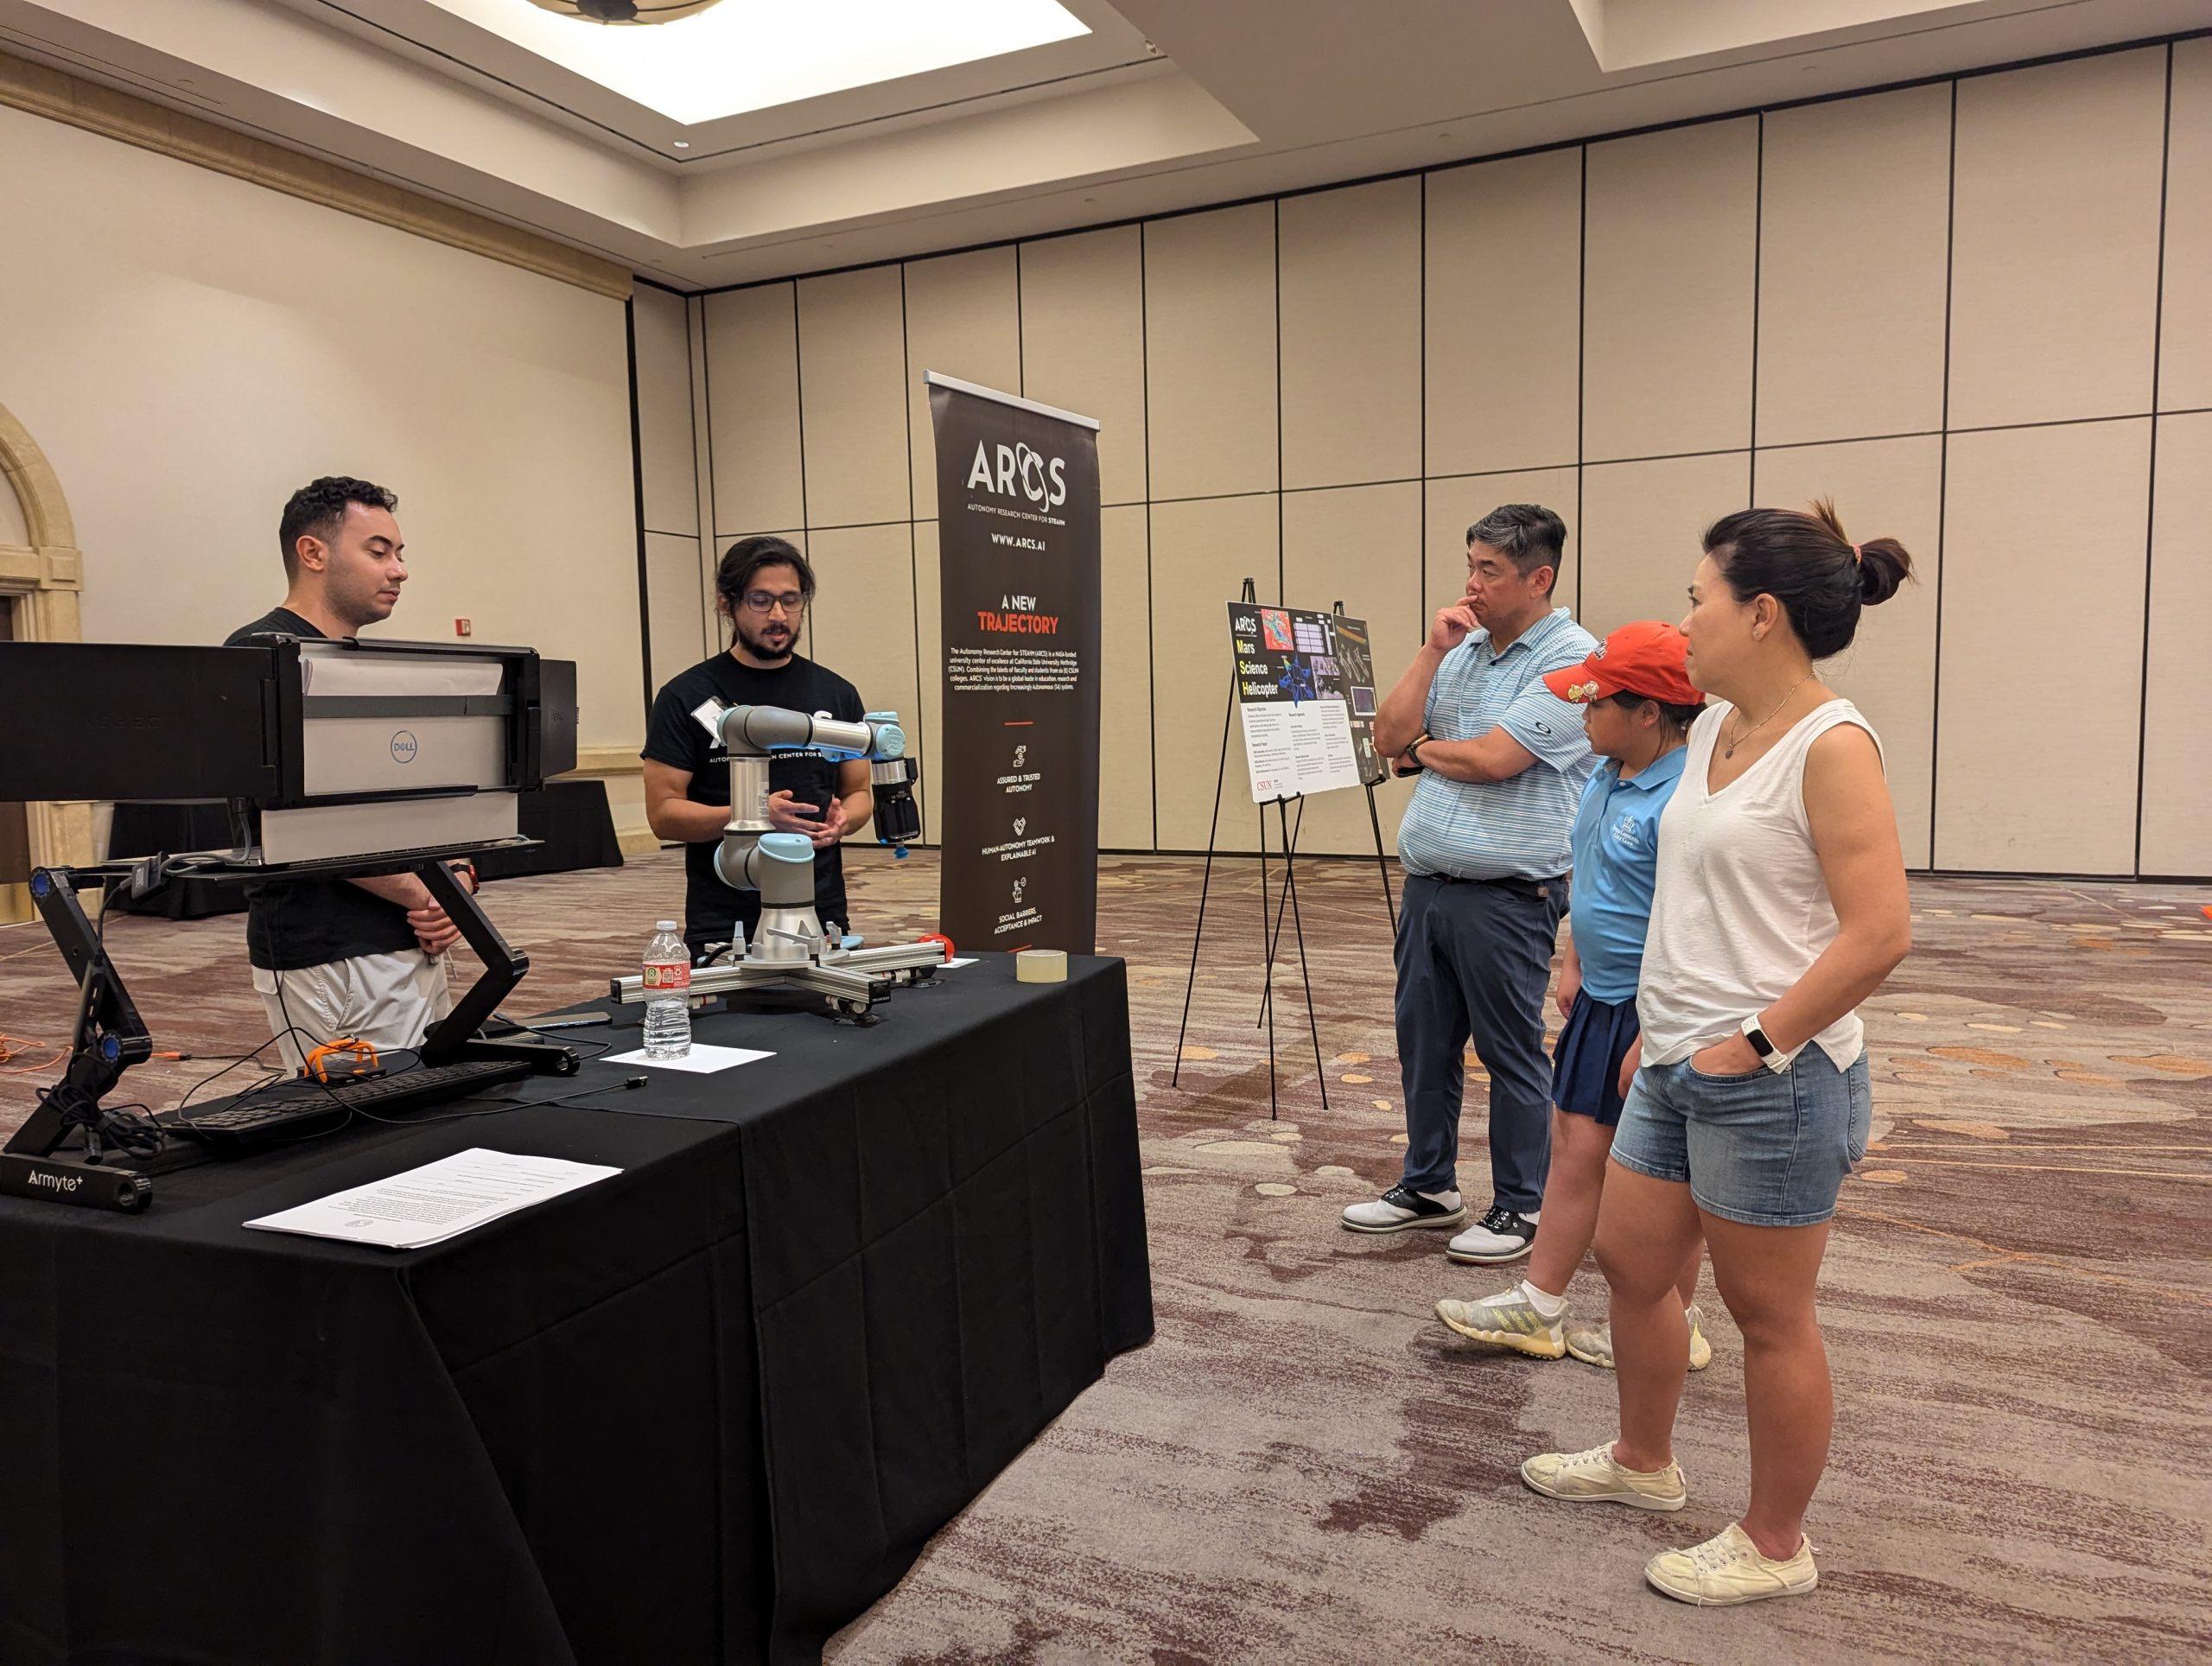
[{"x": 1512, "y": 829}]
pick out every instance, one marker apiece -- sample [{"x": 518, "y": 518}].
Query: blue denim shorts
[{"x": 1764, "y": 1149}]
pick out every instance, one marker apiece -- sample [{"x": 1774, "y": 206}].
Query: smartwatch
[
  {"x": 1770, "y": 1055},
  {"x": 1413, "y": 751}
]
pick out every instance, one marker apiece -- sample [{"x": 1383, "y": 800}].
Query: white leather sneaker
[
  {"x": 1398, "y": 1209},
  {"x": 1500, "y": 1235}
]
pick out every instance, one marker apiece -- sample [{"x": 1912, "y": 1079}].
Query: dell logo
[{"x": 404, "y": 746}]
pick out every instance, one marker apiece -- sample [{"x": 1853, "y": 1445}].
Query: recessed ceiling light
[
  {"x": 681, "y": 144},
  {"x": 732, "y": 58}
]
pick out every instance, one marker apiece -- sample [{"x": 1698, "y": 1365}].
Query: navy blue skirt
[{"x": 1586, "y": 1060}]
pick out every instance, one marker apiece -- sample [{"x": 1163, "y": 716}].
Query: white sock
[{"x": 1550, "y": 1307}]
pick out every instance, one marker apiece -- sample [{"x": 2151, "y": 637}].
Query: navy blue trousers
[{"x": 1473, "y": 962}]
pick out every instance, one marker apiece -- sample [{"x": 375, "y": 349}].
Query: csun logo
[{"x": 1020, "y": 471}]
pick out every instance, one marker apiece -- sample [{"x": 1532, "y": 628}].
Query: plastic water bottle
[{"x": 668, "y": 1013}]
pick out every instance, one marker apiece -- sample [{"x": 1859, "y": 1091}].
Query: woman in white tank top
[{"x": 1780, "y": 906}]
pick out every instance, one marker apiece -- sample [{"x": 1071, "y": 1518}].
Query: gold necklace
[{"x": 1743, "y": 734}]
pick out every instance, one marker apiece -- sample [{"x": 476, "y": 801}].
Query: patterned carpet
[{"x": 1306, "y": 1466}]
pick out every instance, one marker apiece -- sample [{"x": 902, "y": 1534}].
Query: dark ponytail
[{"x": 1805, "y": 562}]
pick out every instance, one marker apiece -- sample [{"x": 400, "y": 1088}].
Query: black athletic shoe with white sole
[{"x": 1499, "y": 1236}]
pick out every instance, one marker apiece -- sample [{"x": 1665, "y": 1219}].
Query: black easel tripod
[{"x": 1271, "y": 935}]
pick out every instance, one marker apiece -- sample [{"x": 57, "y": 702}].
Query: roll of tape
[{"x": 1041, "y": 966}]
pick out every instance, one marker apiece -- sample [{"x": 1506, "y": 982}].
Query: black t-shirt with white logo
[
  {"x": 291, "y": 924},
  {"x": 676, "y": 738}
]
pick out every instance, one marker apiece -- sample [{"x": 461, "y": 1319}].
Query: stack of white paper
[{"x": 437, "y": 1201}]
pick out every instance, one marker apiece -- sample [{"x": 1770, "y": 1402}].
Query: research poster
[{"x": 1306, "y": 690}]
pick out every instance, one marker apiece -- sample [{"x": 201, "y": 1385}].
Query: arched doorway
[{"x": 42, "y": 575}]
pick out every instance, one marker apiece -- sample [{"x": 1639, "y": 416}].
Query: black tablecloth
[
  {"x": 708, "y": 1409},
  {"x": 570, "y": 819}
]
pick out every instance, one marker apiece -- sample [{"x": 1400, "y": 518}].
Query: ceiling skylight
[{"x": 752, "y": 55}]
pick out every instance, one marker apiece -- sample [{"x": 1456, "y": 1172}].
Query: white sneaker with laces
[
  {"x": 1508, "y": 1319},
  {"x": 1398, "y": 1209},
  {"x": 1500, "y": 1235},
  {"x": 1594, "y": 1344},
  {"x": 1595, "y": 1477},
  {"x": 1728, "y": 1568}
]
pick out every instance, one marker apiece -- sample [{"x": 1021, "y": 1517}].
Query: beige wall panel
[
  {"x": 1504, "y": 306},
  {"x": 1209, "y": 325},
  {"x": 664, "y": 437},
  {"x": 1671, "y": 231},
  {"x": 752, "y": 406},
  {"x": 2027, "y": 513},
  {"x": 1202, "y": 552},
  {"x": 1854, "y": 227},
  {"x": 1883, "y": 488},
  {"x": 678, "y": 624},
  {"x": 963, "y": 319},
  {"x": 1360, "y": 545},
  {"x": 863, "y": 626},
  {"x": 1643, "y": 531},
  {"x": 2185, "y": 332},
  {"x": 1083, "y": 343},
  {"x": 1456, "y": 505},
  {"x": 853, "y": 398},
  {"x": 1351, "y": 407},
  {"x": 2055, "y": 243},
  {"x": 929, "y": 646},
  {"x": 170, "y": 362},
  {"x": 2177, "y": 742},
  {"x": 1125, "y": 682}
]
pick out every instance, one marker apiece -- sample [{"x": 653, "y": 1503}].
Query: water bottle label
[{"x": 670, "y": 975}]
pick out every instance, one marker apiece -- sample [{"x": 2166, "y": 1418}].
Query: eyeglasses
[{"x": 767, "y": 601}]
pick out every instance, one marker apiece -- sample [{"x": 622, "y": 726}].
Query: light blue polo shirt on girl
[{"x": 1615, "y": 841}]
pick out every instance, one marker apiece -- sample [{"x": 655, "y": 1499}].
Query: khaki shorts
[{"x": 387, "y": 1001}]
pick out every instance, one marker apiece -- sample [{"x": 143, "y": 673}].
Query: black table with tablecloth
[
  {"x": 570, "y": 821},
  {"x": 708, "y": 1409}
]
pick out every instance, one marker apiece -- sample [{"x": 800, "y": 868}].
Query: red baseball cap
[{"x": 1644, "y": 658}]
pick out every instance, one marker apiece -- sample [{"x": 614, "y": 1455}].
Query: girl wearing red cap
[{"x": 1638, "y": 704}]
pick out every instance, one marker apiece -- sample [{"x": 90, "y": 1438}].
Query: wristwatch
[
  {"x": 1413, "y": 751},
  {"x": 1770, "y": 1055}
]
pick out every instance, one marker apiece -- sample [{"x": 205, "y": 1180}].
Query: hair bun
[{"x": 1883, "y": 565}]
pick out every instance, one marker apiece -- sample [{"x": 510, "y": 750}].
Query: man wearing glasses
[{"x": 762, "y": 587}]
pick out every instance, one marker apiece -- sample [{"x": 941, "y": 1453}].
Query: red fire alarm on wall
[{"x": 462, "y": 627}]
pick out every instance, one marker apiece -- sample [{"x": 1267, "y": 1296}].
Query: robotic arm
[{"x": 780, "y": 866}]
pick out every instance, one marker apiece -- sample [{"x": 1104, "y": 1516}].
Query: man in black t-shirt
[
  {"x": 363, "y": 958},
  {"x": 762, "y": 587}
]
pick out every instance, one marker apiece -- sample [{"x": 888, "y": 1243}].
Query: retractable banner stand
[{"x": 1017, "y": 773}]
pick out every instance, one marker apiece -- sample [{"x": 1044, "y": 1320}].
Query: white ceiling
[{"x": 1162, "y": 105}]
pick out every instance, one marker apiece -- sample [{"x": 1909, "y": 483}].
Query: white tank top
[{"x": 1740, "y": 909}]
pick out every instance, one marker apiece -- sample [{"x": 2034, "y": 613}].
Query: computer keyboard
[{"x": 297, "y": 1109}]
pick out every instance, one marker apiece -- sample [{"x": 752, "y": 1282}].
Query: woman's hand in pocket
[{"x": 1734, "y": 1057}]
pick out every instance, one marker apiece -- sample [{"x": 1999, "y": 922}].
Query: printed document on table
[{"x": 436, "y": 1202}]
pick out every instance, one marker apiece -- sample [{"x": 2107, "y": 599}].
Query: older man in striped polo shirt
[{"x": 1502, "y": 764}]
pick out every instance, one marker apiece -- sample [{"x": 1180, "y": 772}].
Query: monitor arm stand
[
  {"x": 106, "y": 1037},
  {"x": 115, "y": 1153}
]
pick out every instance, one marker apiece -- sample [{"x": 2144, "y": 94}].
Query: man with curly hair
[{"x": 361, "y": 958}]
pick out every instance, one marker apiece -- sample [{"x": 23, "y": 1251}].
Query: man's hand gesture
[
  {"x": 1451, "y": 628},
  {"x": 789, "y": 815}
]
